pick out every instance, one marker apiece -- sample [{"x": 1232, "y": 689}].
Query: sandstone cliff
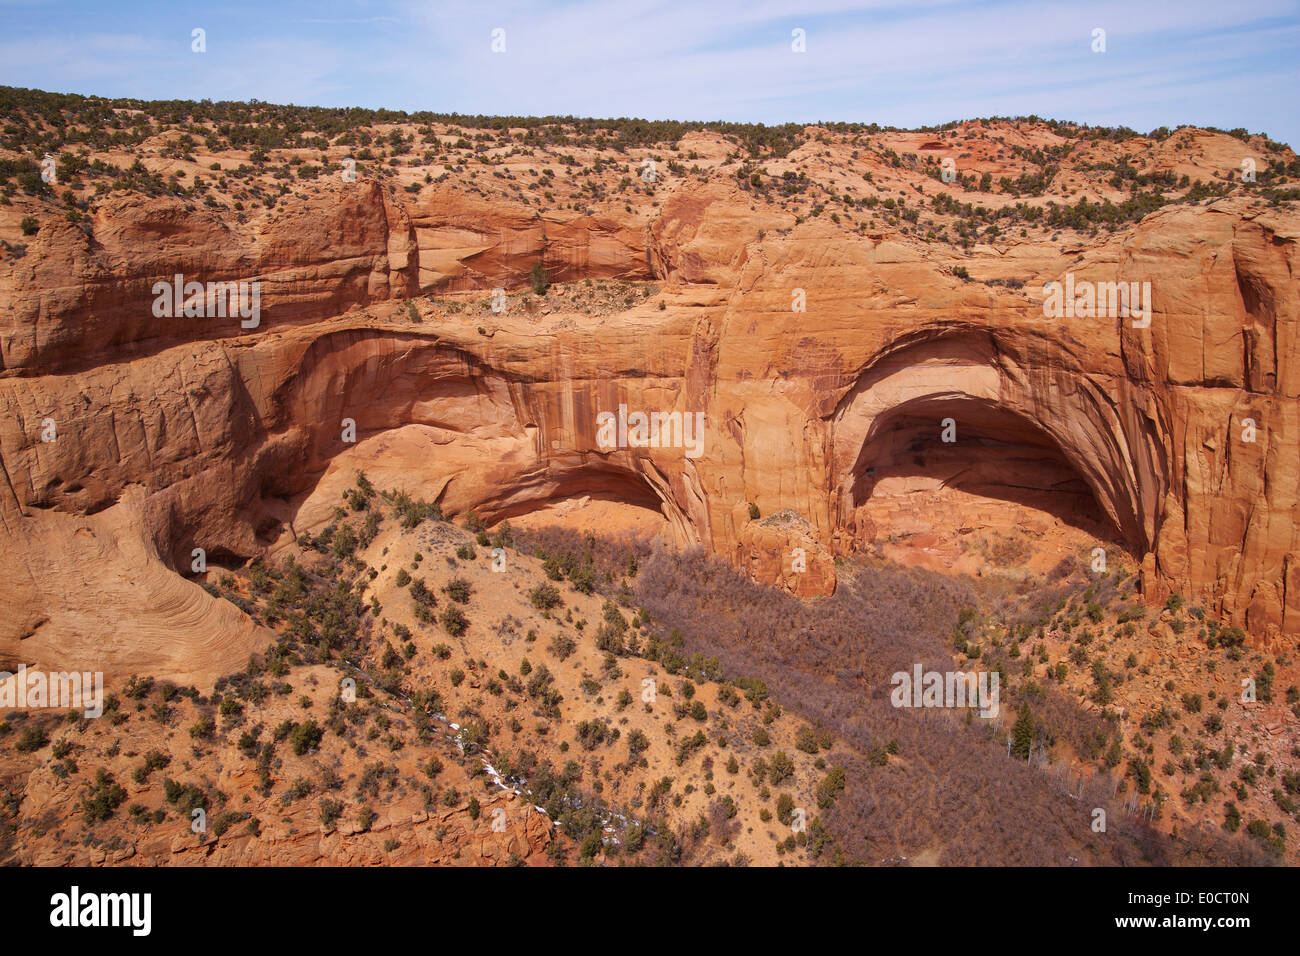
[{"x": 183, "y": 433}]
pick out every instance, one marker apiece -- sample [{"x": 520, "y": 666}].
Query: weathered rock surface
[
  {"x": 471, "y": 242},
  {"x": 321, "y": 253},
  {"x": 174, "y": 434},
  {"x": 781, "y": 551}
]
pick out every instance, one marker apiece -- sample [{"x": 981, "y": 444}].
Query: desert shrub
[
  {"x": 459, "y": 590},
  {"x": 588, "y": 562},
  {"x": 421, "y": 594},
  {"x": 1231, "y": 637},
  {"x": 32, "y": 738},
  {"x": 186, "y": 797},
  {"x": 780, "y": 768},
  {"x": 330, "y": 811},
  {"x": 105, "y": 796},
  {"x": 591, "y": 734},
  {"x": 690, "y": 745},
  {"x": 305, "y": 737},
  {"x": 562, "y": 646},
  {"x": 785, "y": 808},
  {"x": 806, "y": 740},
  {"x": 1264, "y": 683},
  {"x": 830, "y": 787},
  {"x": 637, "y": 744},
  {"x": 454, "y": 621},
  {"x": 410, "y": 512},
  {"x": 153, "y": 760},
  {"x": 544, "y": 597},
  {"x": 227, "y": 819}
]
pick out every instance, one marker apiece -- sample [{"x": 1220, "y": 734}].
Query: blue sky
[{"x": 1224, "y": 63}]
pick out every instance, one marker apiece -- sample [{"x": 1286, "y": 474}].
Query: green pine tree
[
  {"x": 1022, "y": 734},
  {"x": 1114, "y": 754},
  {"x": 539, "y": 278}
]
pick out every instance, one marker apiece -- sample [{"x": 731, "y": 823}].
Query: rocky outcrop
[
  {"x": 781, "y": 551},
  {"x": 471, "y": 242},
  {"x": 317, "y": 254},
  {"x": 193, "y": 433}
]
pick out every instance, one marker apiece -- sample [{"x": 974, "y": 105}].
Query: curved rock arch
[
  {"x": 535, "y": 443},
  {"x": 1108, "y": 432}
]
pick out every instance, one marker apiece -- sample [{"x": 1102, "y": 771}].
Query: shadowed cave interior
[{"x": 995, "y": 453}]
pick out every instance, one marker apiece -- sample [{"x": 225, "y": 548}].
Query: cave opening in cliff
[
  {"x": 602, "y": 503},
  {"x": 937, "y": 469}
]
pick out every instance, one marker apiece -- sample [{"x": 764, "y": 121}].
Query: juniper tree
[{"x": 1022, "y": 734}]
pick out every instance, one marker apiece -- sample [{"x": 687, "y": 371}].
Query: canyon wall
[{"x": 171, "y": 434}]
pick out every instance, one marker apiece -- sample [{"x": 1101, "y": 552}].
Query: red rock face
[
  {"x": 180, "y": 433},
  {"x": 781, "y": 552},
  {"x": 321, "y": 254},
  {"x": 469, "y": 242}
]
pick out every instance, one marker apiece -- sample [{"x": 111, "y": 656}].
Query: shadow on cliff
[{"x": 976, "y": 447}]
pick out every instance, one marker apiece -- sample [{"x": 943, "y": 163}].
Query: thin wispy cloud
[
  {"x": 888, "y": 61},
  {"x": 345, "y": 20}
]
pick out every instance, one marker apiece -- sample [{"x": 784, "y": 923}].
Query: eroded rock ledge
[{"x": 183, "y": 433}]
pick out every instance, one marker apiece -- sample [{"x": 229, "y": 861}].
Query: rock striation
[{"x": 1178, "y": 437}]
